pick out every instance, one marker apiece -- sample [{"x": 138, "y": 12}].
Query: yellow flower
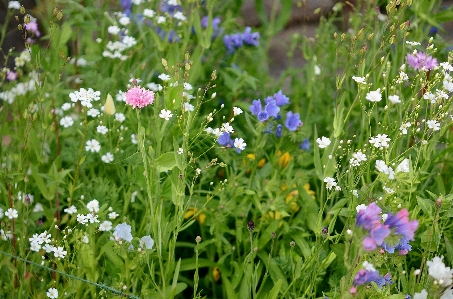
[
  {"x": 291, "y": 199},
  {"x": 251, "y": 158},
  {"x": 201, "y": 217},
  {"x": 109, "y": 107},
  {"x": 284, "y": 159},
  {"x": 310, "y": 192},
  {"x": 216, "y": 273}
]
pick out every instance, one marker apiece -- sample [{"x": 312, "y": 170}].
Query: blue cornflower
[
  {"x": 263, "y": 116},
  {"x": 256, "y": 107},
  {"x": 147, "y": 241},
  {"x": 171, "y": 9},
  {"x": 123, "y": 231},
  {"x": 215, "y": 25},
  {"x": 127, "y": 5},
  {"x": 305, "y": 145},
  {"x": 366, "y": 276},
  {"x": 280, "y": 99},
  {"x": 225, "y": 140},
  {"x": 249, "y": 38},
  {"x": 278, "y": 131},
  {"x": 292, "y": 121},
  {"x": 270, "y": 110}
]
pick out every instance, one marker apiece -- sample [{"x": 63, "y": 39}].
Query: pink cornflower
[
  {"x": 421, "y": 61},
  {"x": 139, "y": 97}
]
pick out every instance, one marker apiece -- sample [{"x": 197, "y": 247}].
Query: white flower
[
  {"x": 355, "y": 193},
  {"x": 59, "y": 252},
  {"x": 52, "y": 293},
  {"x": 404, "y": 127},
  {"x": 394, "y": 99},
  {"x": 179, "y": 16},
  {"x": 66, "y": 106},
  {"x": 164, "y": 77},
  {"x": 360, "y": 207},
  {"x": 434, "y": 125},
  {"x": 134, "y": 139},
  {"x": 237, "y": 111},
  {"x": 382, "y": 167},
  {"x": 239, "y": 143},
  {"x": 38, "y": 208},
  {"x": 160, "y": 20},
  {"x": 93, "y": 206},
  {"x": 357, "y": 158},
  {"x": 188, "y": 107},
  {"x": 441, "y": 94},
  {"x": 317, "y": 70},
  {"x": 165, "y": 114},
  {"x": 149, "y": 13},
  {"x": 380, "y": 141},
  {"x": 402, "y": 77},
  {"x": 388, "y": 191},
  {"x": 384, "y": 217},
  {"x": 120, "y": 117},
  {"x": 368, "y": 266},
  {"x": 48, "y": 248},
  {"x": 360, "y": 80},
  {"x": 180, "y": 151},
  {"x": 38, "y": 239},
  {"x": 437, "y": 270},
  {"x": 403, "y": 166},
  {"x": 226, "y": 127},
  {"x": 154, "y": 86},
  {"x": 71, "y": 210},
  {"x": 107, "y": 158},
  {"x": 93, "y": 112},
  {"x": 330, "y": 183},
  {"x": 124, "y": 20},
  {"x": 82, "y": 219},
  {"x": 374, "y": 96},
  {"x": 11, "y": 213},
  {"x": 430, "y": 97},
  {"x": 113, "y": 30},
  {"x": 188, "y": 96},
  {"x": 93, "y": 146},
  {"x": 102, "y": 129},
  {"x": 412, "y": 43},
  {"x": 120, "y": 96},
  {"x": 105, "y": 226},
  {"x": 66, "y": 121},
  {"x": 198, "y": 170},
  {"x": 448, "y": 85},
  {"x": 187, "y": 86},
  {"x": 113, "y": 215},
  {"x": 323, "y": 142},
  {"x": 35, "y": 247},
  {"x": 14, "y": 5}
]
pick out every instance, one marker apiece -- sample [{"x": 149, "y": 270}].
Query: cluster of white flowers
[
  {"x": 403, "y": 166},
  {"x": 442, "y": 276},
  {"x": 357, "y": 158},
  {"x": 380, "y": 141},
  {"x": 85, "y": 96},
  {"x": 330, "y": 183},
  {"x": 19, "y": 89},
  {"x": 382, "y": 167},
  {"x": 402, "y": 77}
]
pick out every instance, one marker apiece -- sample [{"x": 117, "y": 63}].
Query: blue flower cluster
[
  {"x": 271, "y": 109},
  {"x": 237, "y": 40}
]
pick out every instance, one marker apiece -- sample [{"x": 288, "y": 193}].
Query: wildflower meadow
[{"x": 147, "y": 152}]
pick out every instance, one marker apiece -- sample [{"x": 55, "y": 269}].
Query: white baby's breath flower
[
  {"x": 394, "y": 99},
  {"x": 164, "y": 77},
  {"x": 226, "y": 127},
  {"x": 13, "y": 5},
  {"x": 93, "y": 112},
  {"x": 52, "y": 293},
  {"x": 102, "y": 130},
  {"x": 433, "y": 124},
  {"x": 93, "y": 206},
  {"x": 360, "y": 80},
  {"x": 107, "y": 158},
  {"x": 237, "y": 111},
  {"x": 323, "y": 142},
  {"x": 239, "y": 143},
  {"x": 113, "y": 30},
  {"x": 404, "y": 127},
  {"x": 120, "y": 117},
  {"x": 105, "y": 226},
  {"x": 403, "y": 166},
  {"x": 374, "y": 96},
  {"x": 330, "y": 183},
  {"x": 93, "y": 146},
  {"x": 66, "y": 122},
  {"x": 188, "y": 107},
  {"x": 11, "y": 213},
  {"x": 154, "y": 86},
  {"x": 124, "y": 20},
  {"x": 161, "y": 19},
  {"x": 149, "y": 13},
  {"x": 71, "y": 210},
  {"x": 165, "y": 114}
]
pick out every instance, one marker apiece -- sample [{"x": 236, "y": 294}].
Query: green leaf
[
  {"x": 275, "y": 290},
  {"x": 338, "y": 119},
  {"x": 425, "y": 205},
  {"x": 229, "y": 290},
  {"x": 317, "y": 157},
  {"x": 41, "y": 184},
  {"x": 166, "y": 162},
  {"x": 274, "y": 270},
  {"x": 112, "y": 256}
]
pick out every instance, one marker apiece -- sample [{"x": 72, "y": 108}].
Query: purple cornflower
[
  {"x": 272, "y": 109},
  {"x": 256, "y": 107},
  {"x": 403, "y": 246},
  {"x": 292, "y": 121},
  {"x": 215, "y": 25},
  {"x": 369, "y": 217},
  {"x": 366, "y": 276},
  {"x": 400, "y": 221},
  {"x": 171, "y": 9},
  {"x": 127, "y": 5},
  {"x": 237, "y": 40},
  {"x": 421, "y": 61},
  {"x": 278, "y": 131},
  {"x": 305, "y": 145}
]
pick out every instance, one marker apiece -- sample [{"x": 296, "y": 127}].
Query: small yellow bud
[{"x": 109, "y": 107}]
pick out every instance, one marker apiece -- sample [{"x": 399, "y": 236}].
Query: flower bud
[{"x": 109, "y": 107}]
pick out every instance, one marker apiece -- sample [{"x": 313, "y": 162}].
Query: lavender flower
[{"x": 367, "y": 276}]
